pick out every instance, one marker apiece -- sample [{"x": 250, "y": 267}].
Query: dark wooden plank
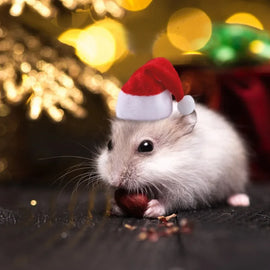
[
  {"x": 64, "y": 236},
  {"x": 65, "y": 231}
]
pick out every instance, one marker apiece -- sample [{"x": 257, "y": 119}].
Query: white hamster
[{"x": 181, "y": 162}]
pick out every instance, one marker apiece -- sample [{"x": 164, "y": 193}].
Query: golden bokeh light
[
  {"x": 50, "y": 8},
  {"x": 96, "y": 47},
  {"x": 134, "y": 5},
  {"x": 109, "y": 87},
  {"x": 256, "y": 46},
  {"x": 33, "y": 202},
  {"x": 120, "y": 36},
  {"x": 245, "y": 19},
  {"x": 42, "y": 7},
  {"x": 70, "y": 37},
  {"x": 112, "y": 92},
  {"x": 162, "y": 47},
  {"x": 259, "y": 47},
  {"x": 189, "y": 29},
  {"x": 192, "y": 53},
  {"x": 100, "y": 44},
  {"x": 35, "y": 107},
  {"x": 55, "y": 113},
  {"x": 35, "y": 74},
  {"x": 114, "y": 9}
]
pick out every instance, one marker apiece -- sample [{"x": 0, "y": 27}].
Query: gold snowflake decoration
[
  {"x": 47, "y": 8},
  {"x": 46, "y": 75}
]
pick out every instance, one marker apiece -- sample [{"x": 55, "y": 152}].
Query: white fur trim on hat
[{"x": 144, "y": 108}]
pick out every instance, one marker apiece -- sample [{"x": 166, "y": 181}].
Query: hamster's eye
[
  {"x": 110, "y": 145},
  {"x": 146, "y": 146}
]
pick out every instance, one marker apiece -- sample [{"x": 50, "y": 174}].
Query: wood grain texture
[{"x": 72, "y": 231}]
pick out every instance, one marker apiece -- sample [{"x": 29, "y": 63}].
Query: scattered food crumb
[
  {"x": 142, "y": 236},
  {"x": 163, "y": 229},
  {"x": 153, "y": 236},
  {"x": 167, "y": 218},
  {"x": 169, "y": 224},
  {"x": 185, "y": 226},
  {"x": 170, "y": 216},
  {"x": 172, "y": 230},
  {"x": 64, "y": 235},
  {"x": 183, "y": 222},
  {"x": 130, "y": 227}
]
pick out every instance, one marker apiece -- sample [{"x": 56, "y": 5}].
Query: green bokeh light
[
  {"x": 231, "y": 45},
  {"x": 224, "y": 54}
]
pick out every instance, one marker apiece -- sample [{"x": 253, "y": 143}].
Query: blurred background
[{"x": 63, "y": 62}]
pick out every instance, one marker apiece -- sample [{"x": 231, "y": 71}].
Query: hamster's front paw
[{"x": 154, "y": 209}]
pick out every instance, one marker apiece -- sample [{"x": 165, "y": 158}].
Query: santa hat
[{"x": 147, "y": 95}]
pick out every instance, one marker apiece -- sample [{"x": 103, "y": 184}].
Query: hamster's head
[{"x": 139, "y": 155}]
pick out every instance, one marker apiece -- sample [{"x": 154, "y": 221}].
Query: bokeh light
[
  {"x": 134, "y": 5},
  {"x": 245, "y": 19},
  {"x": 192, "y": 53},
  {"x": 189, "y": 29},
  {"x": 70, "y": 37},
  {"x": 100, "y": 44},
  {"x": 96, "y": 47},
  {"x": 256, "y": 46},
  {"x": 225, "y": 54},
  {"x": 120, "y": 36},
  {"x": 162, "y": 47},
  {"x": 33, "y": 202},
  {"x": 234, "y": 44},
  {"x": 260, "y": 48}
]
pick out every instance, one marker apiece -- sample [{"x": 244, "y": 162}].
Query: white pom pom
[{"x": 186, "y": 105}]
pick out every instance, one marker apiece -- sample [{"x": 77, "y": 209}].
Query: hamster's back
[{"x": 222, "y": 160}]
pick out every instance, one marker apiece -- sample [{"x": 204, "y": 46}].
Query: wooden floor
[{"x": 72, "y": 231}]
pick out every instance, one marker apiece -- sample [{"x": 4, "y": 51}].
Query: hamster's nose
[
  {"x": 116, "y": 181},
  {"x": 123, "y": 178}
]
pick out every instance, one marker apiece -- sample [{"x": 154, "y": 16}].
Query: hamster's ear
[{"x": 186, "y": 123}]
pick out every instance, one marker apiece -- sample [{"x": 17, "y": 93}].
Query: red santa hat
[{"x": 147, "y": 95}]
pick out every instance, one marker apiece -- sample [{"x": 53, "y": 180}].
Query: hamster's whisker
[
  {"x": 61, "y": 178},
  {"x": 69, "y": 171},
  {"x": 151, "y": 188},
  {"x": 144, "y": 190},
  {"x": 84, "y": 178},
  {"x": 73, "y": 179},
  {"x": 85, "y": 147},
  {"x": 68, "y": 156},
  {"x": 81, "y": 167}
]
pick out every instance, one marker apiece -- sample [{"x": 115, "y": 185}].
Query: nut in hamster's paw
[
  {"x": 154, "y": 209},
  {"x": 131, "y": 204}
]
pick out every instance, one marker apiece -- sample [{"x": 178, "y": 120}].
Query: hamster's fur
[{"x": 197, "y": 159}]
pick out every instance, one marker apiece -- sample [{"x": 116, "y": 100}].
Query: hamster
[{"x": 180, "y": 162}]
